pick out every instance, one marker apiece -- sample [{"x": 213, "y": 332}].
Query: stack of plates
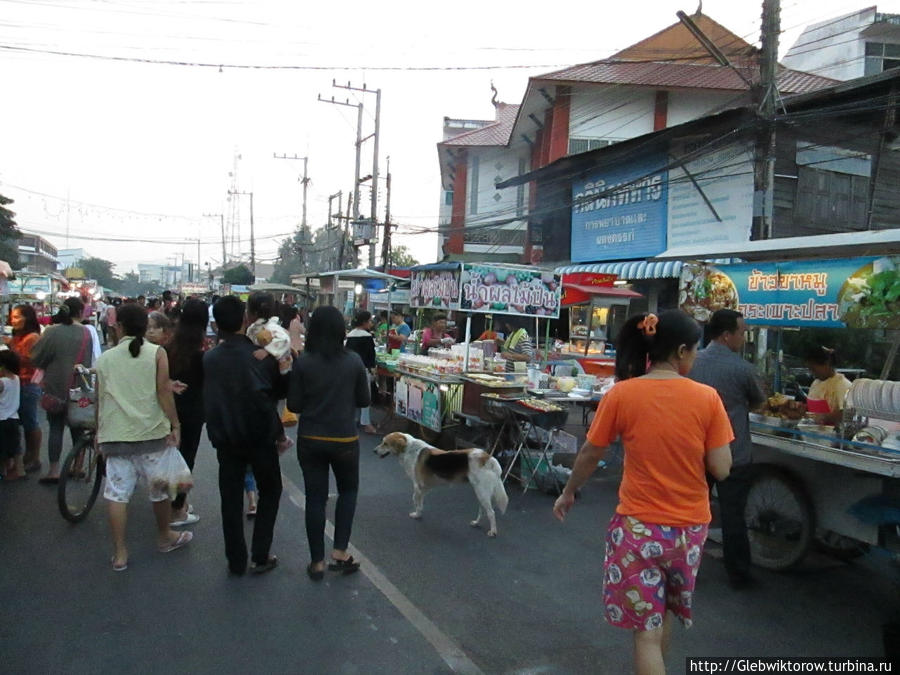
[{"x": 875, "y": 395}]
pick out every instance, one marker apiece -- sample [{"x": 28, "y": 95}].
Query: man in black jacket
[{"x": 240, "y": 396}]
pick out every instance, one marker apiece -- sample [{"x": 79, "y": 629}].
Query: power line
[{"x": 248, "y": 66}]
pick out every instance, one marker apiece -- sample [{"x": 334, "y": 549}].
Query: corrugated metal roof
[
  {"x": 493, "y": 134},
  {"x": 680, "y": 75}
]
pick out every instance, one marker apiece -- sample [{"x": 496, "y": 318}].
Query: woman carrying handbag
[{"x": 57, "y": 351}]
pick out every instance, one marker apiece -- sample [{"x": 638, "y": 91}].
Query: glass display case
[{"x": 588, "y": 329}]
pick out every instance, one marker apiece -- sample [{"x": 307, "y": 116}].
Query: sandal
[
  {"x": 118, "y": 567},
  {"x": 183, "y": 539},
  {"x": 251, "y": 513},
  {"x": 348, "y": 566},
  {"x": 315, "y": 575},
  {"x": 261, "y": 568}
]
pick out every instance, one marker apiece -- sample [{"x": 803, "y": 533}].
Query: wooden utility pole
[{"x": 765, "y": 94}]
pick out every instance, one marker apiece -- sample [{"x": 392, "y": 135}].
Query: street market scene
[{"x": 601, "y": 376}]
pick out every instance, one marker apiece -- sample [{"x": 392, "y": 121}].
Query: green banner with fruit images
[{"x": 510, "y": 290}]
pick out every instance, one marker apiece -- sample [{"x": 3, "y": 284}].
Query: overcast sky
[{"x": 142, "y": 150}]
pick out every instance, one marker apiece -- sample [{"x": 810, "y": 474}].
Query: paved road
[{"x": 436, "y": 596}]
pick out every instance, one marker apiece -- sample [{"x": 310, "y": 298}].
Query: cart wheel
[
  {"x": 840, "y": 547},
  {"x": 780, "y": 519}
]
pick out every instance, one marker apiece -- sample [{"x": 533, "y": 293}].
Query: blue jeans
[{"x": 30, "y": 396}]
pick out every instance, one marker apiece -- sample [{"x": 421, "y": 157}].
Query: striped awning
[{"x": 630, "y": 270}]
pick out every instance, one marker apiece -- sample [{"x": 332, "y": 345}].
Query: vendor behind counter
[
  {"x": 517, "y": 345},
  {"x": 829, "y": 385}
]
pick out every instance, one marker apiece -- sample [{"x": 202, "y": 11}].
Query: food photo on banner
[
  {"x": 612, "y": 223},
  {"x": 852, "y": 293},
  {"x": 510, "y": 290}
]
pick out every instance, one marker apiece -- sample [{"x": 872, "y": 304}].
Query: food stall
[
  {"x": 45, "y": 291},
  {"x": 444, "y": 386},
  {"x": 592, "y": 300},
  {"x": 837, "y": 486}
]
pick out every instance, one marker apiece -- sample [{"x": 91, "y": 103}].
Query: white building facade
[{"x": 861, "y": 43}]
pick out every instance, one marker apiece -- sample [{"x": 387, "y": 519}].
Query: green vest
[{"x": 129, "y": 409}]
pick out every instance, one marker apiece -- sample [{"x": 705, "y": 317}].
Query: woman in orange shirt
[
  {"x": 673, "y": 430},
  {"x": 26, "y": 331}
]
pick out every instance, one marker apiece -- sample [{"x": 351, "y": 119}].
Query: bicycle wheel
[
  {"x": 79, "y": 481},
  {"x": 780, "y": 519}
]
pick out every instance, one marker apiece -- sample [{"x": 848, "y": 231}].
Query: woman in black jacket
[
  {"x": 328, "y": 383},
  {"x": 185, "y": 351},
  {"x": 361, "y": 341}
]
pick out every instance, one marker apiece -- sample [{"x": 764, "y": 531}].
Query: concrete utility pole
[
  {"x": 386, "y": 244},
  {"x": 304, "y": 181},
  {"x": 252, "y": 233},
  {"x": 765, "y": 95},
  {"x": 356, "y": 180},
  {"x": 221, "y": 217},
  {"x": 374, "y": 177}
]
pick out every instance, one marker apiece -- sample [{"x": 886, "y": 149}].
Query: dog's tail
[{"x": 498, "y": 496}]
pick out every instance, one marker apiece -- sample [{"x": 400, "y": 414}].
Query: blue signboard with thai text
[
  {"x": 856, "y": 292},
  {"x": 610, "y": 222}
]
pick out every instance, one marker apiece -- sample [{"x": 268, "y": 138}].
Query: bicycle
[
  {"x": 81, "y": 476},
  {"x": 80, "y": 479}
]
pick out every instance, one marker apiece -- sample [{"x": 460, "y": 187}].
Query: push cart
[{"x": 815, "y": 487}]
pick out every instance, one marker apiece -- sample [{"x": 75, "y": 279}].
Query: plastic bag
[
  {"x": 173, "y": 475},
  {"x": 288, "y": 418}
]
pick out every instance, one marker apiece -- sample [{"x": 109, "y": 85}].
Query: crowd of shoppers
[{"x": 681, "y": 414}]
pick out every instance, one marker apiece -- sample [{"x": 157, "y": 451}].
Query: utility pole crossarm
[{"x": 304, "y": 180}]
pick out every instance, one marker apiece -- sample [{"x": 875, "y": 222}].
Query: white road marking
[{"x": 446, "y": 648}]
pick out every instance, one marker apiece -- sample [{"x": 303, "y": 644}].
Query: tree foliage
[
  {"x": 9, "y": 234},
  {"x": 101, "y": 270},
  {"x": 308, "y": 252},
  {"x": 131, "y": 286},
  {"x": 239, "y": 276},
  {"x": 401, "y": 256}
]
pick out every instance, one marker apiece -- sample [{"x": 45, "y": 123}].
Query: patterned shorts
[
  {"x": 123, "y": 473},
  {"x": 648, "y": 570}
]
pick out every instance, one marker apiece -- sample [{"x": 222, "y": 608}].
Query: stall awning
[
  {"x": 614, "y": 292},
  {"x": 630, "y": 270}
]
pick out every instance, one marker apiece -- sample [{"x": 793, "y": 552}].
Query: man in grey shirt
[{"x": 721, "y": 367}]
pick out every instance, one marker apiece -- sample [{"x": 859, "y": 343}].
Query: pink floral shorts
[{"x": 648, "y": 570}]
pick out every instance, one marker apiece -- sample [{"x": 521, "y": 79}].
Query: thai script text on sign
[
  {"x": 511, "y": 295},
  {"x": 786, "y": 281},
  {"x": 808, "y": 311},
  {"x": 434, "y": 289}
]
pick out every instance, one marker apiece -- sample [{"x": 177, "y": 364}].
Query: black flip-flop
[
  {"x": 348, "y": 566},
  {"x": 315, "y": 575},
  {"x": 49, "y": 480}
]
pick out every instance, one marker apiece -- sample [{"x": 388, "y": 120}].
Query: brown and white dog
[{"x": 427, "y": 467}]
